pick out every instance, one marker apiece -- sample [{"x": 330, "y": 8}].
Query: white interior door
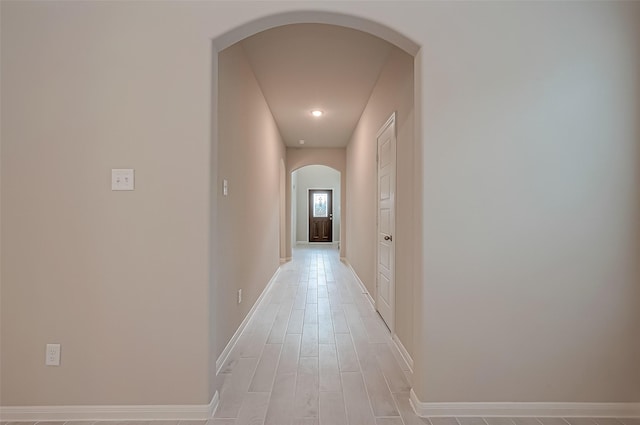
[{"x": 385, "y": 273}]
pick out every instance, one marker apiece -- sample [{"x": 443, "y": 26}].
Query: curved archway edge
[
  {"x": 311, "y": 164},
  {"x": 340, "y": 202},
  {"x": 332, "y": 158},
  {"x": 316, "y": 17}
]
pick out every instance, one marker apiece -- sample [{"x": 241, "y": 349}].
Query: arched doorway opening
[
  {"x": 355, "y": 166},
  {"x": 304, "y": 181}
]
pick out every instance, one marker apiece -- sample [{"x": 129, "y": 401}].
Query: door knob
[{"x": 388, "y": 238}]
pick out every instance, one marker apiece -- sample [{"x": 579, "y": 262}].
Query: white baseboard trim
[
  {"x": 575, "y": 410},
  {"x": 402, "y": 353},
  {"x": 213, "y": 405},
  {"x": 234, "y": 339},
  {"x": 362, "y": 287},
  {"x": 110, "y": 413}
]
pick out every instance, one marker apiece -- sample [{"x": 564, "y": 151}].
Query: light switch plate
[
  {"x": 122, "y": 179},
  {"x": 225, "y": 187}
]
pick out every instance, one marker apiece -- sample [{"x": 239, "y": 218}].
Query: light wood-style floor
[{"x": 316, "y": 353}]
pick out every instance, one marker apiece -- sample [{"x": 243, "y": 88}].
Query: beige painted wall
[
  {"x": 531, "y": 203},
  {"x": 250, "y": 151},
  {"x": 529, "y": 136},
  {"x": 393, "y": 93},
  {"x": 119, "y": 279}
]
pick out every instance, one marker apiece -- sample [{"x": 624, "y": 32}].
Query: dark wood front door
[{"x": 320, "y": 216}]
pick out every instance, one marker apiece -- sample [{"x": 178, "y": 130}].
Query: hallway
[{"x": 315, "y": 353}]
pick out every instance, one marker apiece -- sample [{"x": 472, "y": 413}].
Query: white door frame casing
[{"x": 390, "y": 319}]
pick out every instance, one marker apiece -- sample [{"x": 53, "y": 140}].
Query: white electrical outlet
[
  {"x": 239, "y": 296},
  {"x": 52, "y": 355}
]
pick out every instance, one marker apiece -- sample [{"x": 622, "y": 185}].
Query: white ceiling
[{"x": 307, "y": 66}]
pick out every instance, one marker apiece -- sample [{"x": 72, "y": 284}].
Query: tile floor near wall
[{"x": 316, "y": 353}]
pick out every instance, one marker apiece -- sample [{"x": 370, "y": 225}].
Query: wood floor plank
[
  {"x": 254, "y": 409},
  {"x": 266, "y": 370},
  {"x": 391, "y": 370},
  {"x": 325, "y": 330},
  {"x": 376, "y": 331},
  {"x": 366, "y": 353},
  {"x": 323, "y": 292},
  {"x": 262, "y": 323},
  {"x": 332, "y": 409},
  {"x": 312, "y": 294},
  {"x": 324, "y": 307},
  {"x": 311, "y": 314},
  {"x": 329, "y": 369},
  {"x": 379, "y": 394},
  {"x": 235, "y": 387},
  {"x": 309, "y": 346},
  {"x": 354, "y": 321},
  {"x": 277, "y": 292},
  {"x": 290, "y": 354},
  {"x": 339, "y": 322},
  {"x": 296, "y": 320},
  {"x": 347, "y": 358},
  {"x": 345, "y": 295},
  {"x": 279, "y": 328},
  {"x": 307, "y": 388},
  {"x": 280, "y": 410},
  {"x": 335, "y": 301},
  {"x": 355, "y": 397},
  {"x": 229, "y": 404},
  {"x": 363, "y": 306},
  {"x": 301, "y": 298}
]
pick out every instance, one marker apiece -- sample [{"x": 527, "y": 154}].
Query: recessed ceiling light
[
  {"x": 301, "y": 141},
  {"x": 317, "y": 113}
]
